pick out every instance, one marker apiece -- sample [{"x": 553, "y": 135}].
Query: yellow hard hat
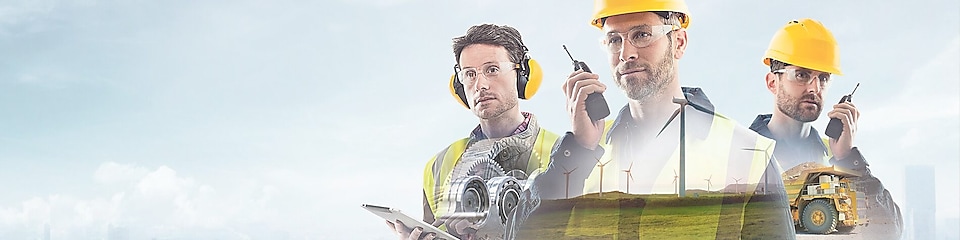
[
  {"x": 606, "y": 8},
  {"x": 805, "y": 43}
]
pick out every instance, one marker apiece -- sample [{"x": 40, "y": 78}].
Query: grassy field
[{"x": 625, "y": 216}]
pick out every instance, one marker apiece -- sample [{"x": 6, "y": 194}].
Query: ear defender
[
  {"x": 529, "y": 77},
  {"x": 456, "y": 89}
]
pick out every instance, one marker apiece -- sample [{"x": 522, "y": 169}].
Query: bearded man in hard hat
[
  {"x": 647, "y": 174},
  {"x": 493, "y": 71},
  {"x": 803, "y": 56}
]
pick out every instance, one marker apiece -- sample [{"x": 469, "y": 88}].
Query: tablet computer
[{"x": 393, "y": 215}]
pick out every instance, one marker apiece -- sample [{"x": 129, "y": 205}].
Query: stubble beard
[
  {"x": 644, "y": 89},
  {"x": 791, "y": 106},
  {"x": 497, "y": 110}
]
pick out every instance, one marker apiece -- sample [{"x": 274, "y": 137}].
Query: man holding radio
[
  {"x": 492, "y": 73},
  {"x": 654, "y": 172},
  {"x": 802, "y": 56}
]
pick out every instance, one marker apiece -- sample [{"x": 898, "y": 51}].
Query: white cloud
[
  {"x": 161, "y": 203},
  {"x": 163, "y": 183},
  {"x": 111, "y": 172}
]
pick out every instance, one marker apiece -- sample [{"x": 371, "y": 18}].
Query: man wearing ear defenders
[
  {"x": 493, "y": 71},
  {"x": 802, "y": 56},
  {"x": 649, "y": 174}
]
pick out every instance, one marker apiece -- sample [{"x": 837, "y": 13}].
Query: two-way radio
[
  {"x": 835, "y": 127},
  {"x": 597, "y": 107}
]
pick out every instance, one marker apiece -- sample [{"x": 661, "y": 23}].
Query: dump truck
[{"x": 823, "y": 200}]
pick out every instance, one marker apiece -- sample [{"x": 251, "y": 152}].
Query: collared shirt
[{"x": 477, "y": 133}]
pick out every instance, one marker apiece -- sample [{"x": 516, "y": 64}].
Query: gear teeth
[{"x": 486, "y": 169}]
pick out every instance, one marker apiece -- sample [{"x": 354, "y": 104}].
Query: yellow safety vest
[
  {"x": 439, "y": 167},
  {"x": 721, "y": 151}
]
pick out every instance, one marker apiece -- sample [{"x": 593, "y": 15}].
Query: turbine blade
[{"x": 675, "y": 113}]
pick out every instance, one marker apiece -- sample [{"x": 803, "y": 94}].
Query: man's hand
[
  {"x": 848, "y": 114},
  {"x": 578, "y": 85},
  {"x": 463, "y": 227},
  {"x": 410, "y": 234}
]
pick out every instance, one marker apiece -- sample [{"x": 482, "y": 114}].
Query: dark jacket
[{"x": 874, "y": 203}]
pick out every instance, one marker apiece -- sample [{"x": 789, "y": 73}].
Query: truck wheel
[{"x": 819, "y": 216}]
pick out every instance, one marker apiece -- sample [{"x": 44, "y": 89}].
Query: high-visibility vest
[
  {"x": 439, "y": 167},
  {"x": 719, "y": 153}
]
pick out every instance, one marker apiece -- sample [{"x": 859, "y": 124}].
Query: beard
[
  {"x": 500, "y": 107},
  {"x": 791, "y": 106},
  {"x": 642, "y": 89}
]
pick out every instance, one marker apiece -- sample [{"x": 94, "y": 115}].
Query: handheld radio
[
  {"x": 597, "y": 107},
  {"x": 835, "y": 127}
]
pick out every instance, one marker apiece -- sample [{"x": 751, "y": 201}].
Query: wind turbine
[
  {"x": 601, "y": 174},
  {"x": 567, "y": 173},
  {"x": 675, "y": 181},
  {"x": 683, "y": 160},
  {"x": 708, "y": 182},
  {"x": 736, "y": 187},
  {"x": 629, "y": 177},
  {"x": 683, "y": 144},
  {"x": 766, "y": 153}
]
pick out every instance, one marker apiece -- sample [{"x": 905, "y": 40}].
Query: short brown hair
[{"x": 497, "y": 35}]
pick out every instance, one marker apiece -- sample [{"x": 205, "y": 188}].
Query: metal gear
[
  {"x": 498, "y": 165},
  {"x": 476, "y": 161}
]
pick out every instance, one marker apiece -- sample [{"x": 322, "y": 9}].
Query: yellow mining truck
[{"x": 822, "y": 200}]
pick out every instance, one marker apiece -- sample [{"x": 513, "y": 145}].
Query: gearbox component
[
  {"x": 469, "y": 195},
  {"x": 487, "y": 183}
]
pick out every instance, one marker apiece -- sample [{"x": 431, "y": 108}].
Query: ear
[
  {"x": 680, "y": 42},
  {"x": 771, "y": 82}
]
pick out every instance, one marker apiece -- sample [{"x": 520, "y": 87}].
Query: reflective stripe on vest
[{"x": 826, "y": 159}]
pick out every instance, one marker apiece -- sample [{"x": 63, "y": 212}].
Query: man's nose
[
  {"x": 815, "y": 86},
  {"x": 628, "y": 52},
  {"x": 482, "y": 82}
]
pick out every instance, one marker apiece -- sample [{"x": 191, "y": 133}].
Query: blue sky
[{"x": 277, "y": 119}]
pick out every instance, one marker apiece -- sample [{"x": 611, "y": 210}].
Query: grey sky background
[{"x": 277, "y": 119}]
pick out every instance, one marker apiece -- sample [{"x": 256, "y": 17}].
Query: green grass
[{"x": 626, "y": 216}]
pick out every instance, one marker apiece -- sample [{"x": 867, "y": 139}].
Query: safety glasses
[
  {"x": 469, "y": 76},
  {"x": 640, "y": 37}
]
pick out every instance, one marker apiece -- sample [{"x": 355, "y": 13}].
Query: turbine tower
[
  {"x": 766, "y": 153},
  {"x": 601, "y": 174},
  {"x": 708, "y": 182},
  {"x": 629, "y": 176},
  {"x": 675, "y": 187},
  {"x": 683, "y": 143},
  {"x": 567, "y": 173}
]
